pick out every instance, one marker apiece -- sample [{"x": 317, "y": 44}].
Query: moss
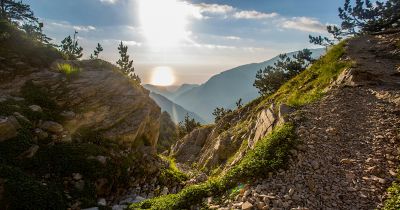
[
  {"x": 24, "y": 192},
  {"x": 393, "y": 202},
  {"x": 171, "y": 173},
  {"x": 269, "y": 154}
]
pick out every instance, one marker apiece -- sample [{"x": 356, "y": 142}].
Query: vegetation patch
[
  {"x": 393, "y": 202},
  {"x": 270, "y": 154},
  {"x": 310, "y": 85},
  {"x": 171, "y": 173},
  {"x": 68, "y": 69}
]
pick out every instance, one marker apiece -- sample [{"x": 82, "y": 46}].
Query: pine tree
[
  {"x": 98, "y": 50},
  {"x": 271, "y": 78},
  {"x": 14, "y": 11},
  {"x": 125, "y": 64},
  {"x": 35, "y": 31},
  {"x": 187, "y": 126},
  {"x": 70, "y": 47}
]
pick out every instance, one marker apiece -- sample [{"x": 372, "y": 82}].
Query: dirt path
[{"x": 351, "y": 138}]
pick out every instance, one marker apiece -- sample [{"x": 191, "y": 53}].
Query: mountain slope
[
  {"x": 224, "y": 89},
  {"x": 176, "y": 112},
  {"x": 170, "y": 92}
]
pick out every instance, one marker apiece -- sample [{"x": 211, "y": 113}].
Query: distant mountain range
[
  {"x": 224, "y": 89},
  {"x": 170, "y": 92},
  {"x": 221, "y": 90},
  {"x": 176, "y": 112}
]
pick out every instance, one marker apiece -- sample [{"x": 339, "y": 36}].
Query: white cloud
[
  {"x": 203, "y": 10},
  {"x": 67, "y": 25},
  {"x": 108, "y": 1},
  {"x": 246, "y": 14},
  {"x": 306, "y": 24},
  {"x": 215, "y": 8},
  {"x": 232, "y": 37}
]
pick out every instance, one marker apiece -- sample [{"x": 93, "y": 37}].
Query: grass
[
  {"x": 68, "y": 69},
  {"x": 393, "y": 202},
  {"x": 311, "y": 84},
  {"x": 269, "y": 155},
  {"x": 171, "y": 173}
]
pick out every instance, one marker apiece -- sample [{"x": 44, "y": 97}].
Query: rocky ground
[{"x": 349, "y": 148}]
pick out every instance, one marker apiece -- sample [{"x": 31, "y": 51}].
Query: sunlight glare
[
  {"x": 162, "y": 76},
  {"x": 164, "y": 22}
]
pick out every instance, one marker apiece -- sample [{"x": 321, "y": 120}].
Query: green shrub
[
  {"x": 270, "y": 154},
  {"x": 68, "y": 69},
  {"x": 393, "y": 202},
  {"x": 172, "y": 173},
  {"x": 310, "y": 85}
]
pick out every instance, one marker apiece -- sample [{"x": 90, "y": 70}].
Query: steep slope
[
  {"x": 334, "y": 147},
  {"x": 176, "y": 112},
  {"x": 348, "y": 155},
  {"x": 224, "y": 89},
  {"x": 253, "y": 141}
]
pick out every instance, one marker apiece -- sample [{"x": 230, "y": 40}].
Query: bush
[{"x": 68, "y": 69}]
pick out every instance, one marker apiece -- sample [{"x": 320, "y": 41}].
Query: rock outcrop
[{"x": 99, "y": 99}]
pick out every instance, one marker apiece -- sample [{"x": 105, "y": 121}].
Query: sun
[
  {"x": 163, "y": 22},
  {"x": 162, "y": 76}
]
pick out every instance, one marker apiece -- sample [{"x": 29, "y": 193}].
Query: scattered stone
[
  {"x": 164, "y": 191},
  {"x": 8, "y": 128},
  {"x": 52, "y": 127},
  {"x": 35, "y": 108},
  {"x": 69, "y": 115},
  {"x": 102, "y": 202},
  {"x": 247, "y": 206}
]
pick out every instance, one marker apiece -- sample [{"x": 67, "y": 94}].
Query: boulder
[
  {"x": 35, "y": 108},
  {"x": 52, "y": 127},
  {"x": 8, "y": 128},
  {"x": 247, "y": 206}
]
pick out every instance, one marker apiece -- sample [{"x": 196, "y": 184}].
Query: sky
[{"x": 193, "y": 39}]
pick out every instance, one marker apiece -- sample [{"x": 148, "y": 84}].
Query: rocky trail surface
[{"x": 349, "y": 140}]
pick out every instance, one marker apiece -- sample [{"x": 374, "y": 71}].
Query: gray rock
[
  {"x": 8, "y": 128},
  {"x": 69, "y": 115},
  {"x": 164, "y": 191},
  {"x": 52, "y": 127},
  {"x": 102, "y": 202},
  {"x": 36, "y": 108}
]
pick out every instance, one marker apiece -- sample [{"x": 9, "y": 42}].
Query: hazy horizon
[{"x": 193, "y": 39}]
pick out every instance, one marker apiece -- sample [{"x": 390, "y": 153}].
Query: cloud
[
  {"x": 204, "y": 10},
  {"x": 232, "y": 37},
  {"x": 108, "y": 1},
  {"x": 306, "y": 24},
  {"x": 246, "y": 14},
  {"x": 67, "y": 25},
  {"x": 215, "y": 8}
]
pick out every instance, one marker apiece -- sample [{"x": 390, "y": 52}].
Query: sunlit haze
[
  {"x": 162, "y": 76},
  {"x": 196, "y": 39}
]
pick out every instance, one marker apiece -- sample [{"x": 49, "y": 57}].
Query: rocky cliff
[{"x": 99, "y": 99}]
